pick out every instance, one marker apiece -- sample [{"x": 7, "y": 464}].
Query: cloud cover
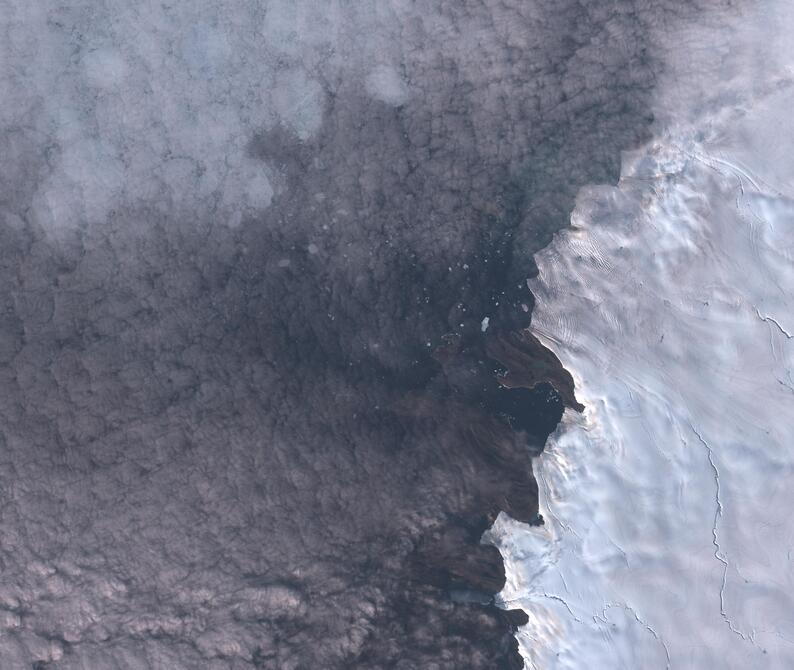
[{"x": 249, "y": 419}]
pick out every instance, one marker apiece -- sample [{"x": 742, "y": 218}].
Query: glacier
[{"x": 668, "y": 535}]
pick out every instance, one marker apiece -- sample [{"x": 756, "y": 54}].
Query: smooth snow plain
[{"x": 668, "y": 504}]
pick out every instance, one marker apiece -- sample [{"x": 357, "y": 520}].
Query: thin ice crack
[
  {"x": 614, "y": 544},
  {"x": 564, "y": 583},
  {"x": 558, "y": 599},
  {"x": 549, "y": 511},
  {"x": 770, "y": 319},
  {"x": 548, "y": 596},
  {"x": 718, "y": 553},
  {"x": 639, "y": 620},
  {"x": 788, "y": 386}
]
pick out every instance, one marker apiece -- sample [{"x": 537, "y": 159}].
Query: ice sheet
[{"x": 668, "y": 537}]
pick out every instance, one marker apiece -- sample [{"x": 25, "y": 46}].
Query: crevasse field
[{"x": 668, "y": 529}]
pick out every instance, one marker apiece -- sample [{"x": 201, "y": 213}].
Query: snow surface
[{"x": 668, "y": 504}]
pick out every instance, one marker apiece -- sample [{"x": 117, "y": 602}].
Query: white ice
[{"x": 668, "y": 504}]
